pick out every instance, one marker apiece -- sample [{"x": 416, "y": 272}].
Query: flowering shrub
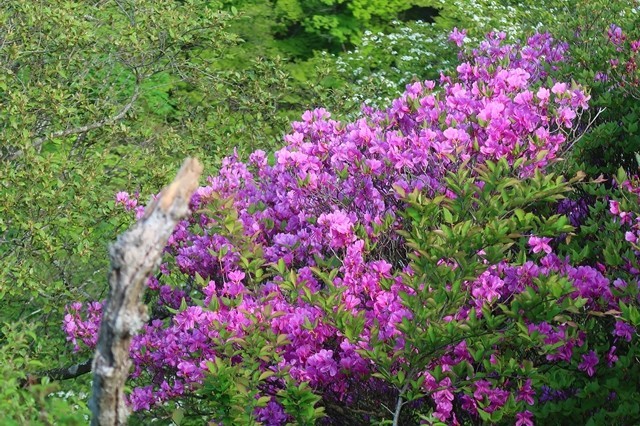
[{"x": 405, "y": 266}]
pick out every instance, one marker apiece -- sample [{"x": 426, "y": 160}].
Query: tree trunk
[{"x": 134, "y": 256}]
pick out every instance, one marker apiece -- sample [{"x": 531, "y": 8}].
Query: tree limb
[
  {"x": 134, "y": 256},
  {"x": 61, "y": 373},
  {"x": 66, "y": 373}
]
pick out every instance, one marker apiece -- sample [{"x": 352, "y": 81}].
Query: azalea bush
[{"x": 422, "y": 263}]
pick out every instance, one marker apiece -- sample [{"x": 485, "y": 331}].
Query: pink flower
[
  {"x": 236, "y": 276},
  {"x": 565, "y": 117},
  {"x": 614, "y": 207},
  {"x": 559, "y": 88},
  {"x": 340, "y": 226},
  {"x": 491, "y": 110},
  {"x": 126, "y": 201},
  {"x": 543, "y": 94},
  {"x": 122, "y": 197},
  {"x": 540, "y": 244},
  {"x": 456, "y": 134},
  {"x": 518, "y": 78}
]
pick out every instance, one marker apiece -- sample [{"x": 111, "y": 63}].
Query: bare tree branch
[
  {"x": 71, "y": 372},
  {"x": 134, "y": 256},
  {"x": 62, "y": 373}
]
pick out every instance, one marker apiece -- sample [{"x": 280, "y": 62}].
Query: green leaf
[{"x": 177, "y": 416}]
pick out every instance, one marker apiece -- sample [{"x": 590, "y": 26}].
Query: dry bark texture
[{"x": 134, "y": 256}]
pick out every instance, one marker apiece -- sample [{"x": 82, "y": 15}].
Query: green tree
[
  {"x": 96, "y": 98},
  {"x": 85, "y": 89}
]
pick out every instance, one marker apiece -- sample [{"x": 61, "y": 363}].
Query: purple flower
[
  {"x": 322, "y": 365},
  {"x": 331, "y": 201},
  {"x": 611, "y": 357},
  {"x": 601, "y": 76},
  {"x": 142, "y": 398},
  {"x": 589, "y": 361},
  {"x": 615, "y": 35},
  {"x": 271, "y": 415},
  {"x": 622, "y": 329}
]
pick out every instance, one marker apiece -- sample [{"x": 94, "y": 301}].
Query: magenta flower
[
  {"x": 323, "y": 365},
  {"x": 457, "y": 36},
  {"x": 614, "y": 207},
  {"x": 631, "y": 237},
  {"x": 333, "y": 194},
  {"x": 340, "y": 226},
  {"x": 495, "y": 396},
  {"x": 491, "y": 110},
  {"x": 188, "y": 318},
  {"x": 543, "y": 95},
  {"x": 526, "y": 393},
  {"x": 236, "y": 276}
]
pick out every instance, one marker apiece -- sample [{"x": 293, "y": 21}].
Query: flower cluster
[
  {"x": 82, "y": 324},
  {"x": 125, "y": 200}
]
